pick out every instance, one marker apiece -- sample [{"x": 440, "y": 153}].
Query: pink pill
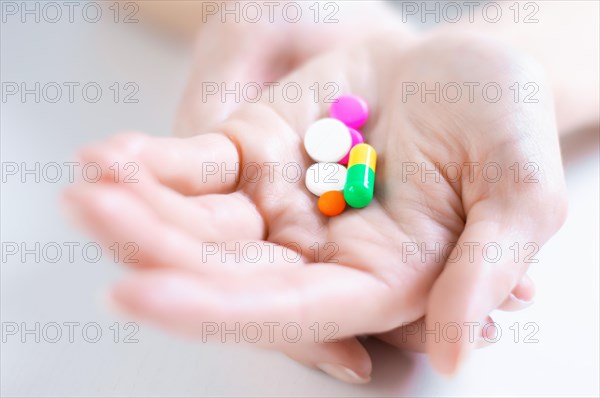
[
  {"x": 351, "y": 110},
  {"x": 357, "y": 138}
]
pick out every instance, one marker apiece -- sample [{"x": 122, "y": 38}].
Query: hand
[{"x": 375, "y": 287}]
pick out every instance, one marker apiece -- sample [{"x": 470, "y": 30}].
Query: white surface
[
  {"x": 324, "y": 177},
  {"x": 327, "y": 140},
  {"x": 563, "y": 362}
]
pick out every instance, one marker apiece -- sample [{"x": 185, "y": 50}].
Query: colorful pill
[
  {"x": 323, "y": 177},
  {"x": 327, "y": 140},
  {"x": 360, "y": 178},
  {"x": 332, "y": 203},
  {"x": 357, "y": 138},
  {"x": 351, "y": 110}
]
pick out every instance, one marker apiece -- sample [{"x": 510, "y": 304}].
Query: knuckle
[
  {"x": 252, "y": 126},
  {"x": 547, "y": 210}
]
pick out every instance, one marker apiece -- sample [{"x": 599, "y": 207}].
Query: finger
[
  {"x": 477, "y": 282},
  {"x": 208, "y": 218},
  {"x": 242, "y": 59},
  {"x": 199, "y": 165},
  {"x": 115, "y": 215},
  {"x": 346, "y": 360},
  {"x": 415, "y": 335},
  {"x": 321, "y": 294},
  {"x": 521, "y": 296}
]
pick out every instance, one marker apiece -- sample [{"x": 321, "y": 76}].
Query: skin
[{"x": 370, "y": 286}]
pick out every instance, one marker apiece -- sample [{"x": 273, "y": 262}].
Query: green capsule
[{"x": 360, "y": 180}]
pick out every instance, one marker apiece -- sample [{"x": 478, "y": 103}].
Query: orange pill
[{"x": 332, "y": 203}]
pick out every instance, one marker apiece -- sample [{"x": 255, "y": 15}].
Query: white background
[{"x": 564, "y": 361}]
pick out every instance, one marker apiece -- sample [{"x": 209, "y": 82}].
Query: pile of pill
[{"x": 334, "y": 143}]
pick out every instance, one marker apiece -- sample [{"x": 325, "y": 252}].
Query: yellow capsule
[{"x": 363, "y": 154}]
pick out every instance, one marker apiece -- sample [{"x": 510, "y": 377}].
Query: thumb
[{"x": 491, "y": 256}]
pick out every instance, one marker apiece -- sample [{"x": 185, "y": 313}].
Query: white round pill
[
  {"x": 327, "y": 140},
  {"x": 323, "y": 177}
]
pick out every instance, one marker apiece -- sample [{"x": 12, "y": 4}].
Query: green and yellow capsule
[{"x": 360, "y": 180}]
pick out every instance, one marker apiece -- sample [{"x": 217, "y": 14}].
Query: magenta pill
[
  {"x": 351, "y": 110},
  {"x": 357, "y": 138}
]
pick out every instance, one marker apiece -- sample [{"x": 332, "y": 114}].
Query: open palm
[{"x": 227, "y": 231}]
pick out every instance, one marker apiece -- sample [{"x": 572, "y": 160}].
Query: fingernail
[
  {"x": 343, "y": 373},
  {"x": 522, "y": 301}
]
